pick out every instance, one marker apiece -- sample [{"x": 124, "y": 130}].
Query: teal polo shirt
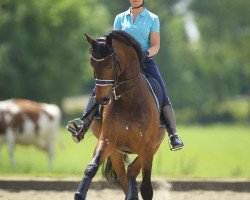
[{"x": 140, "y": 29}]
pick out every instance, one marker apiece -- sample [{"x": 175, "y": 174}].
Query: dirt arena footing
[{"x": 51, "y": 184}]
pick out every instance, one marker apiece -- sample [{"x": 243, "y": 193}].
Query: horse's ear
[
  {"x": 108, "y": 40},
  {"x": 90, "y": 40}
]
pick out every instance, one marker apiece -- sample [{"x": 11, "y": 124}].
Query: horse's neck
[
  {"x": 132, "y": 71},
  {"x": 131, "y": 67},
  {"x": 128, "y": 59},
  {"x": 129, "y": 80}
]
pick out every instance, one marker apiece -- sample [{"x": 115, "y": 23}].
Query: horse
[{"x": 130, "y": 117}]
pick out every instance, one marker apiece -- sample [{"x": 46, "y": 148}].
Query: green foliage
[
  {"x": 225, "y": 56},
  {"x": 210, "y": 152},
  {"x": 213, "y": 70},
  {"x": 42, "y": 47},
  {"x": 230, "y": 110},
  {"x": 43, "y": 55}
]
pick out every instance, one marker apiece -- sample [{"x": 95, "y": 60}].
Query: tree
[
  {"x": 43, "y": 54},
  {"x": 225, "y": 52}
]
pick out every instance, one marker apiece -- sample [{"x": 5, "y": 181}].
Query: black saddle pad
[
  {"x": 158, "y": 94},
  {"x": 156, "y": 89}
]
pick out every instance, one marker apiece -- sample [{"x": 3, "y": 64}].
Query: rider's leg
[
  {"x": 86, "y": 119},
  {"x": 151, "y": 68},
  {"x": 168, "y": 113}
]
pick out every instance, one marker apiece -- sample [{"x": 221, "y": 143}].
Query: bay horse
[{"x": 130, "y": 117}]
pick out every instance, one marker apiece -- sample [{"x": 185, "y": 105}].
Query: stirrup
[
  {"x": 177, "y": 147},
  {"x": 73, "y": 127}
]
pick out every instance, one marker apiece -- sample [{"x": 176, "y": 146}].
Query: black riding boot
[
  {"x": 174, "y": 140},
  {"x": 79, "y": 129}
]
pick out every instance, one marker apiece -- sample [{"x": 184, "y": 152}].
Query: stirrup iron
[
  {"x": 172, "y": 148},
  {"x": 73, "y": 127}
]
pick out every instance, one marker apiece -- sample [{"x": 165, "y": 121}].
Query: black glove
[{"x": 145, "y": 54}]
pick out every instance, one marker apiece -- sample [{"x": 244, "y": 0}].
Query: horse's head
[{"x": 106, "y": 67}]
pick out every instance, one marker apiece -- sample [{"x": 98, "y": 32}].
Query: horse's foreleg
[
  {"x": 146, "y": 186},
  {"x": 99, "y": 156},
  {"x": 117, "y": 160},
  {"x": 133, "y": 172}
]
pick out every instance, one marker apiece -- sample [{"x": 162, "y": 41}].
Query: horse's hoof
[{"x": 78, "y": 196}]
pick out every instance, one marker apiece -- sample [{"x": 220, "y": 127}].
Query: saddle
[
  {"x": 157, "y": 93},
  {"x": 155, "y": 89}
]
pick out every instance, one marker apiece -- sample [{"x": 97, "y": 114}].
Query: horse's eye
[{"x": 109, "y": 66}]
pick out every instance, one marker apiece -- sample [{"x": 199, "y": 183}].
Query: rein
[
  {"x": 115, "y": 82},
  {"x": 126, "y": 91}
]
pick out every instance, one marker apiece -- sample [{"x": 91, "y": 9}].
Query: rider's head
[{"x": 136, "y": 3}]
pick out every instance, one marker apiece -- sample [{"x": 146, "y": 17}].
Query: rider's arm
[{"x": 154, "y": 43}]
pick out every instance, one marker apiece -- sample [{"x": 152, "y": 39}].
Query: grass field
[{"x": 214, "y": 151}]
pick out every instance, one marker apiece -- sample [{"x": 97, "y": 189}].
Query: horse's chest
[
  {"x": 127, "y": 123},
  {"x": 128, "y": 114}
]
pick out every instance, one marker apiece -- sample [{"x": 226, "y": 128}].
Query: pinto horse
[{"x": 130, "y": 117}]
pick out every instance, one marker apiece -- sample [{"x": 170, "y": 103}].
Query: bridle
[
  {"x": 108, "y": 82},
  {"x": 113, "y": 82}
]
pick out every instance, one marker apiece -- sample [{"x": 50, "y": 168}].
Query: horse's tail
[{"x": 108, "y": 171}]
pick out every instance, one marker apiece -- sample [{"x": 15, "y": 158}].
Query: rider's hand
[{"x": 145, "y": 54}]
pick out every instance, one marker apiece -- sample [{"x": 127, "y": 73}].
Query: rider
[{"x": 144, "y": 26}]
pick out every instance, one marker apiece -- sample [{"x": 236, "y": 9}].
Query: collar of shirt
[{"x": 143, "y": 13}]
